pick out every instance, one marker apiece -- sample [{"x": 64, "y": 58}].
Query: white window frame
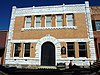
[
  {"x": 67, "y": 49},
  {"x": 82, "y": 50},
  {"x": 56, "y": 21},
  {"x": 14, "y": 51},
  {"x": 30, "y": 21},
  {"x": 69, "y": 20},
  {"x": 35, "y": 21},
  {"x": 46, "y": 21},
  {"x": 24, "y": 51}
]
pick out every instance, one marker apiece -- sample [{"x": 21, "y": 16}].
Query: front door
[{"x": 48, "y": 54}]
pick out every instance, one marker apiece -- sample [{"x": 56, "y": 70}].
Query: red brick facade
[{"x": 95, "y": 15}]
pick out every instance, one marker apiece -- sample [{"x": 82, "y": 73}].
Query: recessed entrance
[{"x": 48, "y": 54}]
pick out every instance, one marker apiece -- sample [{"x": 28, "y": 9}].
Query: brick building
[
  {"x": 3, "y": 37},
  {"x": 95, "y": 16},
  {"x": 47, "y": 35}
]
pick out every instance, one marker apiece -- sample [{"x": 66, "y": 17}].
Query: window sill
[
  {"x": 23, "y": 58},
  {"x": 97, "y": 30},
  {"x": 40, "y": 28}
]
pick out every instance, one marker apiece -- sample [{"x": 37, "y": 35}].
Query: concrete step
[
  {"x": 2, "y": 73},
  {"x": 47, "y": 67}
]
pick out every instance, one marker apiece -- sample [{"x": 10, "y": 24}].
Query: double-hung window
[
  {"x": 59, "y": 20},
  {"x": 97, "y": 22},
  {"x": 82, "y": 49},
  {"x": 71, "y": 49},
  {"x": 27, "y": 50},
  {"x": 17, "y": 49},
  {"x": 28, "y": 22},
  {"x": 38, "y": 21},
  {"x": 69, "y": 19},
  {"x": 48, "y": 21}
]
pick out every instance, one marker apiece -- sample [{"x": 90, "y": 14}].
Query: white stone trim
[
  {"x": 25, "y": 23},
  {"x": 90, "y": 31},
  {"x": 10, "y": 34},
  {"x": 23, "y": 50},
  {"x": 42, "y": 28},
  {"x": 35, "y": 61},
  {"x": 45, "y": 22},
  {"x": 50, "y": 39},
  {"x": 60, "y": 40},
  {"x": 23, "y": 61},
  {"x": 14, "y": 51},
  {"x": 44, "y": 10},
  {"x": 34, "y": 23}
]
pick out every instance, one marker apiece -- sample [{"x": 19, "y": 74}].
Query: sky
[{"x": 6, "y": 7}]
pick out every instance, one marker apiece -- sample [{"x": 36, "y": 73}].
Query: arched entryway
[{"x": 48, "y": 54}]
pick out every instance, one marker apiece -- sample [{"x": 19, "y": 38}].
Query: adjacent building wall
[
  {"x": 95, "y": 15},
  {"x": 3, "y": 42}
]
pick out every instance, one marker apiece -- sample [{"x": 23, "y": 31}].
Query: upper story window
[
  {"x": 82, "y": 49},
  {"x": 59, "y": 20},
  {"x": 71, "y": 49},
  {"x": 17, "y": 49},
  {"x": 97, "y": 23},
  {"x": 27, "y": 21},
  {"x": 48, "y": 21},
  {"x": 69, "y": 19},
  {"x": 38, "y": 21},
  {"x": 27, "y": 50}
]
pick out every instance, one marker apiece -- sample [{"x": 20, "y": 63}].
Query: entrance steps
[{"x": 47, "y": 67}]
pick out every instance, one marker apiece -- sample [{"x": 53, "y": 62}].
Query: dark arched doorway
[{"x": 48, "y": 54}]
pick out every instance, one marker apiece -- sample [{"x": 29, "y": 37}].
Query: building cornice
[{"x": 57, "y": 9}]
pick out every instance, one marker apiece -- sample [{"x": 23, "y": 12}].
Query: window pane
[
  {"x": 38, "y": 25},
  {"x": 48, "y": 18},
  {"x": 59, "y": 20},
  {"x": 1, "y": 51},
  {"x": 38, "y": 18},
  {"x": 82, "y": 49},
  {"x": 27, "y": 50},
  {"x": 48, "y": 24},
  {"x": 17, "y": 49},
  {"x": 71, "y": 50},
  {"x": 70, "y": 23},
  {"x": 71, "y": 54},
  {"x": 28, "y": 22},
  {"x": 59, "y": 24},
  {"x": 28, "y": 19},
  {"x": 70, "y": 45},
  {"x": 48, "y": 21},
  {"x": 97, "y": 25},
  {"x": 82, "y": 53},
  {"x": 69, "y": 19},
  {"x": 82, "y": 46}
]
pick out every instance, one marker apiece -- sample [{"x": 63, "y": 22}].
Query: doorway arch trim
[{"x": 50, "y": 39}]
